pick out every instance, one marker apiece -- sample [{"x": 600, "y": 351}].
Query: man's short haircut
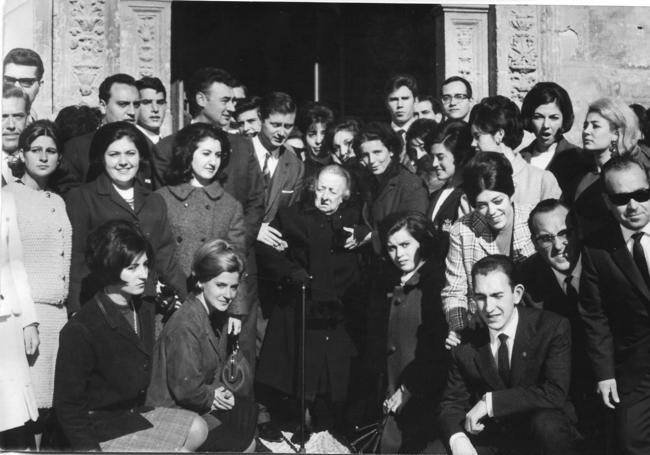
[
  {"x": 436, "y": 105},
  {"x": 487, "y": 171},
  {"x": 276, "y": 103},
  {"x": 201, "y": 81},
  {"x": 119, "y": 78},
  {"x": 544, "y": 93},
  {"x": 313, "y": 113},
  {"x": 456, "y": 136},
  {"x": 465, "y": 82},
  {"x": 620, "y": 163},
  {"x": 494, "y": 263},
  {"x": 498, "y": 112},
  {"x": 11, "y": 91},
  {"x": 247, "y": 104},
  {"x": 237, "y": 83},
  {"x": 545, "y": 206},
  {"x": 401, "y": 80},
  {"x": 153, "y": 83},
  {"x": 25, "y": 57}
]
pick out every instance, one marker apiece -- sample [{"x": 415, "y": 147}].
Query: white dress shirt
[
  {"x": 261, "y": 152},
  {"x": 645, "y": 240},
  {"x": 153, "y": 137},
  {"x": 542, "y": 160},
  {"x": 575, "y": 276}
]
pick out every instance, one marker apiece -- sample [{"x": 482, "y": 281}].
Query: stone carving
[
  {"x": 465, "y": 51},
  {"x": 523, "y": 57},
  {"x": 147, "y": 34},
  {"x": 87, "y": 30},
  {"x": 86, "y": 75}
]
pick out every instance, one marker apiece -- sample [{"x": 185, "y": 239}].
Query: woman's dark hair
[
  {"x": 419, "y": 129},
  {"x": 350, "y": 124},
  {"x": 456, "y": 136},
  {"x": 185, "y": 144},
  {"x": 544, "y": 93},
  {"x": 32, "y": 132},
  {"x": 487, "y": 171},
  {"x": 495, "y": 113},
  {"x": 75, "y": 120},
  {"x": 644, "y": 122},
  {"x": 111, "y": 248},
  {"x": 313, "y": 113},
  {"x": 108, "y": 134},
  {"x": 415, "y": 224},
  {"x": 212, "y": 259},
  {"x": 375, "y": 131}
]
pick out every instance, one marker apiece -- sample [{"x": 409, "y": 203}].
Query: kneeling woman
[
  {"x": 190, "y": 355},
  {"x": 103, "y": 365}
]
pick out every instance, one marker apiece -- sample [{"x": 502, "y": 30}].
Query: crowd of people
[{"x": 470, "y": 294}]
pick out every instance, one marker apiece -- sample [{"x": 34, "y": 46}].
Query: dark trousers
[{"x": 633, "y": 420}]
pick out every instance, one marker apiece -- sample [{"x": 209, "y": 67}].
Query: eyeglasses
[
  {"x": 457, "y": 97},
  {"x": 641, "y": 195},
  {"x": 549, "y": 239},
  {"x": 25, "y": 82}
]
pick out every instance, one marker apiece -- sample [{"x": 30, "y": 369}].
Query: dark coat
[
  {"x": 615, "y": 308},
  {"x": 315, "y": 246},
  {"x": 540, "y": 372},
  {"x": 102, "y": 371},
  {"x": 446, "y": 215},
  {"x": 95, "y": 203},
  {"x": 188, "y": 359},
  {"x": 569, "y": 164},
  {"x": 286, "y": 184}
]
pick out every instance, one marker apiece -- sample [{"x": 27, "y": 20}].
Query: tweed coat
[{"x": 471, "y": 239}]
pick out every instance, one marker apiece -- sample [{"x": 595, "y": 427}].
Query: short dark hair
[
  {"x": 620, "y": 163},
  {"x": 247, "y": 104},
  {"x": 211, "y": 260},
  {"x": 415, "y": 224},
  {"x": 185, "y": 144},
  {"x": 108, "y": 134},
  {"x": 75, "y": 120},
  {"x": 119, "y": 78},
  {"x": 201, "y": 81},
  {"x": 25, "y": 57},
  {"x": 498, "y": 112},
  {"x": 401, "y": 80},
  {"x": 545, "y": 206},
  {"x": 436, "y": 105},
  {"x": 31, "y": 132},
  {"x": 493, "y": 263},
  {"x": 276, "y": 102},
  {"x": 544, "y": 93},
  {"x": 111, "y": 248},
  {"x": 644, "y": 122},
  {"x": 419, "y": 129},
  {"x": 462, "y": 80},
  {"x": 313, "y": 113},
  {"x": 153, "y": 83},
  {"x": 456, "y": 136},
  {"x": 11, "y": 91},
  {"x": 487, "y": 171},
  {"x": 376, "y": 131},
  {"x": 349, "y": 124}
]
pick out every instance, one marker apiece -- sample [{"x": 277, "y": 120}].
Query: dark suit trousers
[{"x": 633, "y": 420}]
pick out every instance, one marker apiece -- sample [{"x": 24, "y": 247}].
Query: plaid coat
[{"x": 471, "y": 239}]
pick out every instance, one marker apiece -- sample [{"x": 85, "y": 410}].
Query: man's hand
[
  {"x": 607, "y": 388},
  {"x": 351, "y": 243},
  {"x": 234, "y": 326},
  {"x": 472, "y": 424},
  {"x": 397, "y": 401},
  {"x": 223, "y": 399},
  {"x": 272, "y": 237},
  {"x": 30, "y": 335},
  {"x": 453, "y": 339},
  {"x": 463, "y": 446}
]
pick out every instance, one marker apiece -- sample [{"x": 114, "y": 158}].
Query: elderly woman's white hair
[{"x": 335, "y": 169}]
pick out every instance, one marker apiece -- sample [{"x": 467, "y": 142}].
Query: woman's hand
[
  {"x": 350, "y": 243},
  {"x": 223, "y": 399},
  {"x": 234, "y": 326},
  {"x": 30, "y": 335},
  {"x": 453, "y": 339},
  {"x": 397, "y": 401}
]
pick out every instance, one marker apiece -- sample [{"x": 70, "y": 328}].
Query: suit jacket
[
  {"x": 540, "y": 371},
  {"x": 471, "y": 239},
  {"x": 97, "y": 202},
  {"x": 615, "y": 308},
  {"x": 286, "y": 184},
  {"x": 568, "y": 165},
  {"x": 102, "y": 370},
  {"x": 447, "y": 214},
  {"x": 188, "y": 359}
]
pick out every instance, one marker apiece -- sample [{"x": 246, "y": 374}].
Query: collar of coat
[
  {"x": 105, "y": 186},
  {"x": 214, "y": 190}
]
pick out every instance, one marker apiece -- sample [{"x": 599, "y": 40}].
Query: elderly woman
[
  {"x": 610, "y": 128},
  {"x": 319, "y": 233},
  {"x": 496, "y": 127},
  {"x": 118, "y": 153},
  {"x": 190, "y": 355},
  {"x": 496, "y": 226},
  {"x": 103, "y": 366},
  {"x": 47, "y": 239},
  {"x": 547, "y": 112}
]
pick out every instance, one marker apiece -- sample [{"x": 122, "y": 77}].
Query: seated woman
[
  {"x": 496, "y": 226},
  {"x": 320, "y": 253},
  {"x": 191, "y": 352},
  {"x": 497, "y": 127},
  {"x": 410, "y": 321},
  {"x": 103, "y": 366}
]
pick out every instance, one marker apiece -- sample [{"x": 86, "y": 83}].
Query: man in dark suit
[
  {"x": 615, "y": 302},
  {"x": 401, "y": 92},
  {"x": 508, "y": 383}
]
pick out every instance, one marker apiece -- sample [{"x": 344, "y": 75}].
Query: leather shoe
[{"x": 269, "y": 432}]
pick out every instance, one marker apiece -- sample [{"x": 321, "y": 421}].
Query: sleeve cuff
[
  {"x": 488, "y": 404},
  {"x": 456, "y": 436}
]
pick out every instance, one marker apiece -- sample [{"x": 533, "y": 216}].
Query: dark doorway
[{"x": 273, "y": 46}]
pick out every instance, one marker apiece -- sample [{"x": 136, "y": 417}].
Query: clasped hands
[
  {"x": 224, "y": 399},
  {"x": 273, "y": 238}
]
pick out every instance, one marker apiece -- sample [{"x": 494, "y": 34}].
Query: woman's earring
[{"x": 613, "y": 147}]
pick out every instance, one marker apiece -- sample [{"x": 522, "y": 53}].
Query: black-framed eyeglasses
[
  {"x": 641, "y": 195},
  {"x": 549, "y": 239},
  {"x": 25, "y": 82},
  {"x": 456, "y": 97}
]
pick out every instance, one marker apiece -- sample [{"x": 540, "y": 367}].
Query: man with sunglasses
[
  {"x": 24, "y": 69},
  {"x": 615, "y": 302},
  {"x": 456, "y": 97}
]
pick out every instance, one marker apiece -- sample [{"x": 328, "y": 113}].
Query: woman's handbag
[{"x": 236, "y": 375}]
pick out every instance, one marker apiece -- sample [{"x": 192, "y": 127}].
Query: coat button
[
  {"x": 186, "y": 205},
  {"x": 207, "y": 206},
  {"x": 62, "y": 253},
  {"x": 60, "y": 229},
  {"x": 179, "y": 239},
  {"x": 53, "y": 210},
  {"x": 203, "y": 240},
  {"x": 392, "y": 348}
]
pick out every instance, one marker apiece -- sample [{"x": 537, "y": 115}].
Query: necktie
[
  {"x": 571, "y": 292},
  {"x": 266, "y": 170},
  {"x": 402, "y": 138},
  {"x": 504, "y": 361},
  {"x": 639, "y": 257}
]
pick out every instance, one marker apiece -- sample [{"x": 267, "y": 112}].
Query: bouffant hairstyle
[
  {"x": 487, "y": 171},
  {"x": 415, "y": 224},
  {"x": 621, "y": 118},
  {"x": 212, "y": 259},
  {"x": 495, "y": 113},
  {"x": 456, "y": 136},
  {"x": 312, "y": 114},
  {"x": 544, "y": 93}
]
